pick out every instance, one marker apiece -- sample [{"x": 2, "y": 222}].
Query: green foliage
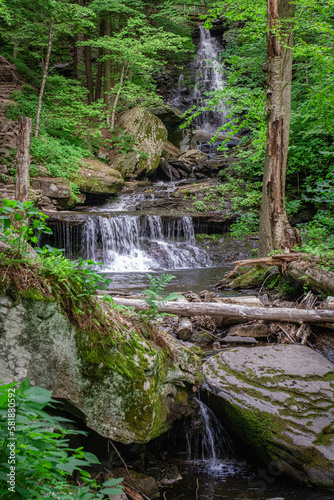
[
  {"x": 40, "y": 453},
  {"x": 79, "y": 278},
  {"x": 137, "y": 51},
  {"x": 59, "y": 156},
  {"x": 247, "y": 224},
  {"x": 21, "y": 224},
  {"x": 155, "y": 296},
  {"x": 200, "y": 206},
  {"x": 122, "y": 142},
  {"x": 318, "y": 234}
]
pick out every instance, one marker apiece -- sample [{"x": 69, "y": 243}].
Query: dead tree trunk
[
  {"x": 45, "y": 73},
  {"x": 23, "y": 159},
  {"x": 275, "y": 230}
]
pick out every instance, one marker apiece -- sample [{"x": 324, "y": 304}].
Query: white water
[
  {"x": 134, "y": 201},
  {"x": 213, "y": 444},
  {"x": 209, "y": 78},
  {"x": 128, "y": 243}
]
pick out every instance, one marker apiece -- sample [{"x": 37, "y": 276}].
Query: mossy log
[
  {"x": 314, "y": 277},
  {"x": 235, "y": 311}
]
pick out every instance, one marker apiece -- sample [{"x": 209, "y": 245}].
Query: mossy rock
[
  {"x": 149, "y": 135},
  {"x": 96, "y": 177},
  {"x": 124, "y": 386},
  {"x": 279, "y": 400}
]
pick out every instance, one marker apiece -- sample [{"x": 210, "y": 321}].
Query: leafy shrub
[
  {"x": 40, "y": 453},
  {"x": 59, "y": 156},
  {"x": 21, "y": 224}
]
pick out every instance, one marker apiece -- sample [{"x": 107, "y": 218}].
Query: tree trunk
[
  {"x": 114, "y": 106},
  {"x": 89, "y": 72},
  {"x": 98, "y": 88},
  {"x": 191, "y": 309},
  {"x": 78, "y": 54},
  {"x": 45, "y": 72},
  {"x": 275, "y": 230},
  {"x": 23, "y": 159},
  {"x": 107, "y": 70}
]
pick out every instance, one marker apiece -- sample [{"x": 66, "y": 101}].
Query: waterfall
[
  {"x": 209, "y": 77},
  {"x": 131, "y": 243},
  {"x": 212, "y": 443}
]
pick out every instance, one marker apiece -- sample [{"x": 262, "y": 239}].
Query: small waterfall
[
  {"x": 212, "y": 443},
  {"x": 132, "y": 243},
  {"x": 209, "y": 77},
  {"x": 134, "y": 201}
]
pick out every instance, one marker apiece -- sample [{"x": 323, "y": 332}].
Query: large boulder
[
  {"x": 149, "y": 134},
  {"x": 96, "y": 177},
  {"x": 279, "y": 399},
  {"x": 129, "y": 390}
]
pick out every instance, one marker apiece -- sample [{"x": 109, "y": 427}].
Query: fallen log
[
  {"x": 185, "y": 328},
  {"x": 314, "y": 277},
  {"x": 280, "y": 260},
  {"x": 234, "y": 311}
]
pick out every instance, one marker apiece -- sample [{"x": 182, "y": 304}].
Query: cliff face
[{"x": 129, "y": 390}]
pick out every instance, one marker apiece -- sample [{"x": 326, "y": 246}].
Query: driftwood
[
  {"x": 185, "y": 328},
  {"x": 235, "y": 311}
]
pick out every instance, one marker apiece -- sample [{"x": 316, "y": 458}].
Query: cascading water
[
  {"x": 212, "y": 444},
  {"x": 209, "y": 77},
  {"x": 131, "y": 243}
]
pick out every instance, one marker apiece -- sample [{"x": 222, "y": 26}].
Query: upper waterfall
[{"x": 209, "y": 78}]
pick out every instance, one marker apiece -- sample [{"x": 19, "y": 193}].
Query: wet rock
[
  {"x": 193, "y": 156},
  {"x": 126, "y": 163},
  {"x": 279, "y": 399},
  {"x": 201, "y": 338},
  {"x": 171, "y": 151}
]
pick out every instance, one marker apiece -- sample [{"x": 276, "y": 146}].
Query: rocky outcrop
[
  {"x": 96, "y": 177},
  {"x": 279, "y": 399},
  {"x": 149, "y": 134},
  {"x": 128, "y": 389}
]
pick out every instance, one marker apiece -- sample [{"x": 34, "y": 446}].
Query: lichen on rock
[
  {"x": 149, "y": 135},
  {"x": 279, "y": 399}
]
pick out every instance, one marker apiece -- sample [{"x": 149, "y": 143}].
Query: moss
[
  {"x": 34, "y": 294},
  {"x": 251, "y": 277},
  {"x": 254, "y": 427},
  {"x": 326, "y": 436}
]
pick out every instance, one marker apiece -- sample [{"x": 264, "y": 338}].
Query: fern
[{"x": 156, "y": 296}]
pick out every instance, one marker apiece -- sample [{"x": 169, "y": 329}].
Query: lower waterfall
[{"x": 131, "y": 243}]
